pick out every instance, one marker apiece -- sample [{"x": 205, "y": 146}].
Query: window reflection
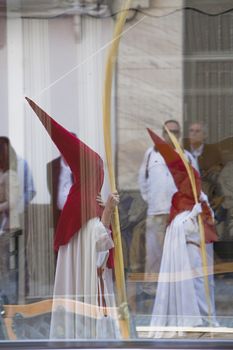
[{"x": 173, "y": 69}]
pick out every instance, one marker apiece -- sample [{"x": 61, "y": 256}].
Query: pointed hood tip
[
  {"x": 72, "y": 148},
  {"x": 155, "y": 138},
  {"x": 151, "y": 134},
  {"x": 29, "y": 101}
]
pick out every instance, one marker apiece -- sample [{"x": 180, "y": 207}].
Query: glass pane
[{"x": 116, "y": 185}]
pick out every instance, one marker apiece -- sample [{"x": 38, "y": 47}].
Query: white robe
[
  {"x": 76, "y": 280},
  {"x": 180, "y": 298}
]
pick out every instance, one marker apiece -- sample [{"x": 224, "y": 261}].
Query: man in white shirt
[
  {"x": 157, "y": 188},
  {"x": 59, "y": 180}
]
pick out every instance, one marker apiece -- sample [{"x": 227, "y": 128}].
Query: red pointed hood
[
  {"x": 183, "y": 199},
  {"x": 176, "y": 166},
  {"x": 87, "y": 168}
]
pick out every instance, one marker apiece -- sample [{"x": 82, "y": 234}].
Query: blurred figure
[
  {"x": 26, "y": 193},
  {"x": 226, "y": 182},
  {"x": 157, "y": 188},
  {"x": 9, "y": 186},
  {"x": 27, "y": 187},
  {"x": 209, "y": 161},
  {"x": 26, "y": 183},
  {"x": 9, "y": 220}
]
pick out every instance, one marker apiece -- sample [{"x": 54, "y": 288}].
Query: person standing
[
  {"x": 9, "y": 186},
  {"x": 83, "y": 242},
  {"x": 28, "y": 191},
  {"x": 157, "y": 187},
  {"x": 9, "y": 219},
  {"x": 25, "y": 179},
  {"x": 209, "y": 162},
  {"x": 181, "y": 277}
]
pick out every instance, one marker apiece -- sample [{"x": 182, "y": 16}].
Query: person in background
[
  {"x": 226, "y": 183},
  {"x": 28, "y": 191},
  {"x": 9, "y": 186},
  {"x": 26, "y": 183},
  {"x": 9, "y": 221},
  {"x": 210, "y": 164}
]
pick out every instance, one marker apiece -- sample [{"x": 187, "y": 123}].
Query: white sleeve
[
  {"x": 103, "y": 238},
  {"x": 142, "y": 180}
]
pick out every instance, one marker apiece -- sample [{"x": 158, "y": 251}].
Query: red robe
[{"x": 183, "y": 199}]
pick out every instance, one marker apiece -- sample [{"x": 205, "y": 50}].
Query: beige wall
[{"x": 149, "y": 89}]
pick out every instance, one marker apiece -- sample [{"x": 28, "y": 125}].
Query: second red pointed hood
[{"x": 183, "y": 199}]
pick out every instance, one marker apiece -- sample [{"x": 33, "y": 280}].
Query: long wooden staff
[
  {"x": 118, "y": 256},
  {"x": 200, "y": 222}
]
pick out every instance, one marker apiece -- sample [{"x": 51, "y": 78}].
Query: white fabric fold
[
  {"x": 76, "y": 279},
  {"x": 180, "y": 298}
]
